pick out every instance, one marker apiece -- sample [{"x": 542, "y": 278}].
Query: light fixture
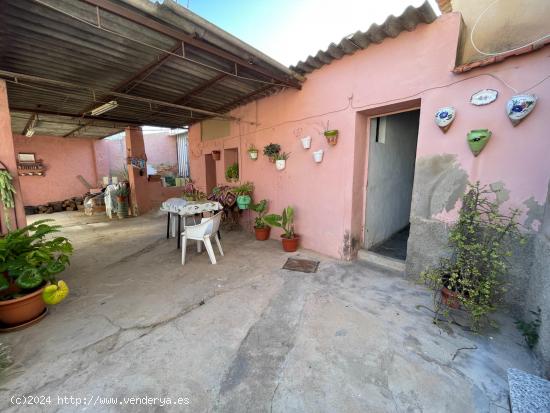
[
  {"x": 31, "y": 125},
  {"x": 104, "y": 108}
]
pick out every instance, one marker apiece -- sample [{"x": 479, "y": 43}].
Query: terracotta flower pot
[
  {"x": 450, "y": 298},
  {"x": 332, "y": 136},
  {"x": 216, "y": 155},
  {"x": 23, "y": 309},
  {"x": 262, "y": 234},
  {"x": 290, "y": 244}
]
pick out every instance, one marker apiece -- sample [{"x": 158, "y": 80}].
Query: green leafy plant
[
  {"x": 261, "y": 209},
  {"x": 232, "y": 172},
  {"x": 282, "y": 156},
  {"x": 284, "y": 221},
  {"x": 245, "y": 189},
  {"x": 29, "y": 259},
  {"x": 252, "y": 148},
  {"x": 7, "y": 191},
  {"x": 530, "y": 329},
  {"x": 272, "y": 149},
  {"x": 481, "y": 241}
]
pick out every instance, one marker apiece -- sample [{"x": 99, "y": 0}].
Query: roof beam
[
  {"x": 17, "y": 77},
  {"x": 188, "y": 39},
  {"x": 228, "y": 106},
  {"x": 117, "y": 122},
  {"x": 199, "y": 89}
]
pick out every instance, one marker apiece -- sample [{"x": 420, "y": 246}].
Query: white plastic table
[{"x": 183, "y": 208}]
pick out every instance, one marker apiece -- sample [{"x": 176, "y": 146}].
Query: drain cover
[{"x": 297, "y": 264}]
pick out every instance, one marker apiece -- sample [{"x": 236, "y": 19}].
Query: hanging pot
[
  {"x": 332, "y": 136},
  {"x": 477, "y": 139},
  {"x": 216, "y": 155},
  {"x": 243, "y": 201},
  {"x": 306, "y": 142},
  {"x": 280, "y": 164},
  {"x": 318, "y": 155},
  {"x": 253, "y": 155},
  {"x": 444, "y": 117},
  {"x": 519, "y": 106}
]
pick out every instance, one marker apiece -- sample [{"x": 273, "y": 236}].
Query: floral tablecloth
[{"x": 182, "y": 207}]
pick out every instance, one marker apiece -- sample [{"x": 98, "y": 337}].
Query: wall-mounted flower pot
[
  {"x": 519, "y": 106},
  {"x": 262, "y": 234},
  {"x": 280, "y": 164},
  {"x": 318, "y": 156},
  {"x": 332, "y": 136},
  {"x": 444, "y": 117},
  {"x": 450, "y": 298},
  {"x": 216, "y": 155},
  {"x": 243, "y": 201},
  {"x": 290, "y": 244},
  {"x": 306, "y": 142},
  {"x": 253, "y": 155},
  {"x": 477, "y": 139}
]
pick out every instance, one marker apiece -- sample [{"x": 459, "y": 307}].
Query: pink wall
[
  {"x": 160, "y": 148},
  {"x": 414, "y": 67},
  {"x": 65, "y": 159}
]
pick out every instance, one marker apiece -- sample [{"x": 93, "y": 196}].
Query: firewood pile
[{"x": 70, "y": 204}]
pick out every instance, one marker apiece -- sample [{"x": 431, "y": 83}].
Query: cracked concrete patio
[{"x": 247, "y": 336}]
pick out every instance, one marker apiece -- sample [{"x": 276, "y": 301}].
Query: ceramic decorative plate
[
  {"x": 444, "y": 117},
  {"x": 484, "y": 97},
  {"x": 519, "y": 106}
]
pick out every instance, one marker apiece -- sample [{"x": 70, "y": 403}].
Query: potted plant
[
  {"x": 243, "y": 193},
  {"x": 7, "y": 191},
  {"x": 122, "y": 201},
  {"x": 232, "y": 172},
  {"x": 332, "y": 136},
  {"x": 271, "y": 150},
  {"x": 261, "y": 228},
  {"x": 481, "y": 241},
  {"x": 280, "y": 160},
  {"x": 252, "y": 152},
  {"x": 285, "y": 221},
  {"x": 216, "y": 155},
  {"x": 29, "y": 262}
]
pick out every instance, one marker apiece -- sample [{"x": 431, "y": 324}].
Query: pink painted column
[
  {"x": 7, "y": 157},
  {"x": 139, "y": 186}
]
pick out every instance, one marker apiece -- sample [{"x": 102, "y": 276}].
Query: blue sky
[{"x": 290, "y": 30}]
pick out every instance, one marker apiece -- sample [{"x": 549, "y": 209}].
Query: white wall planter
[
  {"x": 318, "y": 156},
  {"x": 306, "y": 142},
  {"x": 280, "y": 164},
  {"x": 253, "y": 155}
]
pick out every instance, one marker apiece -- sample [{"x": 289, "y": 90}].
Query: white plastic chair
[{"x": 203, "y": 232}]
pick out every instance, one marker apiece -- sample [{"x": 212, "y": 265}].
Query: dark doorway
[{"x": 210, "y": 166}]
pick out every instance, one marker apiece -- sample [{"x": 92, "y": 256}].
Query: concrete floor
[{"x": 247, "y": 336}]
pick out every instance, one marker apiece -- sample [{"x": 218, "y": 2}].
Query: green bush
[{"x": 481, "y": 241}]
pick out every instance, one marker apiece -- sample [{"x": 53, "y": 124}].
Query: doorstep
[{"x": 381, "y": 260}]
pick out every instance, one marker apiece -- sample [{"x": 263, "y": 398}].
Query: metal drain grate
[{"x": 301, "y": 265}]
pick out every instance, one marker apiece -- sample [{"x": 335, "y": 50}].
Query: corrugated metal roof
[
  {"x": 408, "y": 20},
  {"x": 134, "y": 49}
]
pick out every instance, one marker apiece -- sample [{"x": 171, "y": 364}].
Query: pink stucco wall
[
  {"x": 65, "y": 159},
  {"x": 412, "y": 69}
]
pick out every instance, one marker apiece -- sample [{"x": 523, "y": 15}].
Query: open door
[{"x": 392, "y": 157}]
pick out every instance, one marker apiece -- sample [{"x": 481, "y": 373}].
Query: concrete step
[{"x": 381, "y": 260}]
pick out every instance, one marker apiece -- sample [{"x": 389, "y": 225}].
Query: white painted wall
[{"x": 390, "y": 176}]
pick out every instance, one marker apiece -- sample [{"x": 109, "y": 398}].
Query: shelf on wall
[{"x": 31, "y": 168}]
